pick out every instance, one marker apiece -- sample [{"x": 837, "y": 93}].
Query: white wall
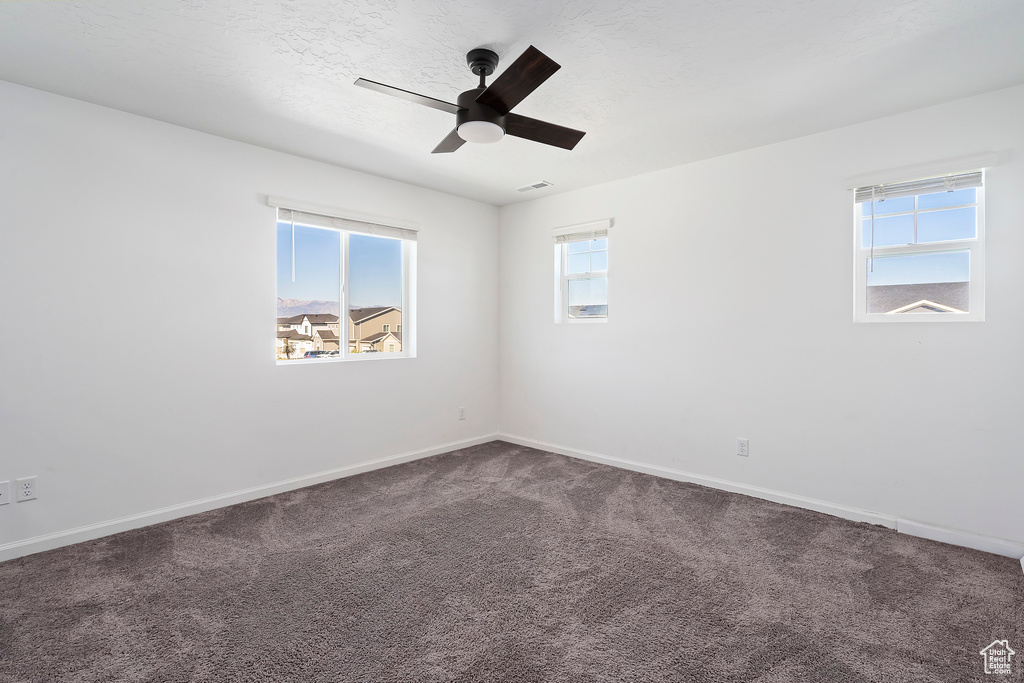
[
  {"x": 744, "y": 261},
  {"x": 115, "y": 222},
  {"x": 739, "y": 269}
]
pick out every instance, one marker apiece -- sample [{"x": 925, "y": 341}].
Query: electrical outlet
[
  {"x": 25, "y": 489},
  {"x": 462, "y": 413},
  {"x": 5, "y": 492},
  {"x": 743, "y": 447}
]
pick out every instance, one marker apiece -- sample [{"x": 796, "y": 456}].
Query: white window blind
[
  {"x": 582, "y": 232},
  {"x": 582, "y": 236},
  {"x": 947, "y": 183},
  {"x": 322, "y": 221}
]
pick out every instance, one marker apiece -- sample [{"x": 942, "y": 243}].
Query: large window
[
  {"x": 581, "y": 275},
  {"x": 920, "y": 250},
  {"x": 345, "y": 289}
]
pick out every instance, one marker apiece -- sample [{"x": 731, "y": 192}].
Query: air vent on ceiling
[{"x": 534, "y": 186}]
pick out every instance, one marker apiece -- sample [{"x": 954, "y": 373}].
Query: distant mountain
[{"x": 289, "y": 307}]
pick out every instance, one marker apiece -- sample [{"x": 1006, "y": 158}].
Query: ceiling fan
[{"x": 484, "y": 114}]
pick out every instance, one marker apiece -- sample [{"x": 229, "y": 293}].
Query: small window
[
  {"x": 386, "y": 328},
  {"x": 327, "y": 265},
  {"x": 920, "y": 250},
  {"x": 581, "y": 273}
]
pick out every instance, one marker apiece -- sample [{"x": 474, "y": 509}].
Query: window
[
  {"x": 920, "y": 250},
  {"x": 327, "y": 265},
  {"x": 581, "y": 273}
]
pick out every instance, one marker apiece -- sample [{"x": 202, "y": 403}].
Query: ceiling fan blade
[
  {"x": 542, "y": 131},
  {"x": 406, "y": 95},
  {"x": 450, "y": 143},
  {"x": 520, "y": 79}
]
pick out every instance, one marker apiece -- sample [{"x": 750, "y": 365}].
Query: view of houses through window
[
  {"x": 919, "y": 248},
  {"x": 312, "y": 264},
  {"x": 585, "y": 279}
]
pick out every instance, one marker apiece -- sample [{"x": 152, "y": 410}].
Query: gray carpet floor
[{"x": 502, "y": 563}]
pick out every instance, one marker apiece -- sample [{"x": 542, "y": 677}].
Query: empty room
[{"x": 511, "y": 341}]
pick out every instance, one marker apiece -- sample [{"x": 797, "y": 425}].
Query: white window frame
[
  {"x": 348, "y": 223},
  {"x": 385, "y": 327},
  {"x": 579, "y": 232},
  {"x": 974, "y": 246}
]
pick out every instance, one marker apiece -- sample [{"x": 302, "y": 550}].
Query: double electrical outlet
[{"x": 25, "y": 489}]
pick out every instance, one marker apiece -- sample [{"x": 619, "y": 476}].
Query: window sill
[
  {"x": 369, "y": 357},
  {"x": 915, "y": 318},
  {"x": 582, "y": 321}
]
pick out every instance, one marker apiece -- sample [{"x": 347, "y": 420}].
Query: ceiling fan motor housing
[
  {"x": 471, "y": 110},
  {"x": 482, "y": 61}
]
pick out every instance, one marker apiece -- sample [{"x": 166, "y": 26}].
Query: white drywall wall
[
  {"x": 138, "y": 276},
  {"x": 730, "y": 298}
]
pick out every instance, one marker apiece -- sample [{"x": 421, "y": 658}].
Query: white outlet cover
[
  {"x": 743, "y": 447},
  {"x": 5, "y": 492},
  {"x": 25, "y": 489}
]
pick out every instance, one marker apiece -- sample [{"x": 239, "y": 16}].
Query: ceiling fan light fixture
[{"x": 481, "y": 131}]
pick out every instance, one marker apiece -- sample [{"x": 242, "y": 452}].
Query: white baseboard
[
  {"x": 988, "y": 544},
  {"x": 37, "y": 544}
]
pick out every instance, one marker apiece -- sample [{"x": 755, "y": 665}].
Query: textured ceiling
[{"x": 655, "y": 83}]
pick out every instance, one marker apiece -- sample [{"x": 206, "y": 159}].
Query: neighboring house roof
[
  {"x": 924, "y": 305},
  {"x": 376, "y": 338},
  {"x": 359, "y": 315},
  {"x": 326, "y": 334},
  {"x": 294, "y": 335},
  {"x": 322, "y": 318},
  {"x": 589, "y": 311},
  {"x": 314, "y": 318},
  {"x": 397, "y": 335},
  {"x": 886, "y": 298}
]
